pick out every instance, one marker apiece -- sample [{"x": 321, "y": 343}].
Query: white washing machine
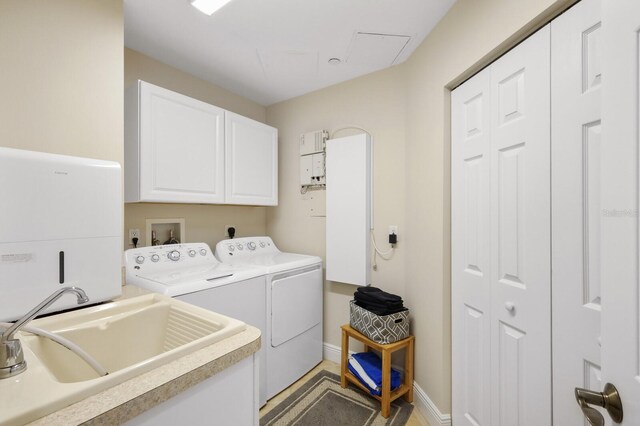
[
  {"x": 191, "y": 273},
  {"x": 294, "y": 306}
]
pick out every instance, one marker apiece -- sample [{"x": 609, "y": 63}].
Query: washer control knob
[
  {"x": 203, "y": 252},
  {"x": 231, "y": 247},
  {"x": 192, "y": 253},
  {"x": 251, "y": 245},
  {"x": 155, "y": 258},
  {"x": 174, "y": 255},
  {"x": 262, "y": 244},
  {"x": 240, "y": 247},
  {"x": 139, "y": 260}
]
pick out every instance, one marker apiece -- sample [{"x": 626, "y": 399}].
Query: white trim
[
  {"x": 332, "y": 352},
  {"x": 428, "y": 409},
  {"x": 421, "y": 400}
]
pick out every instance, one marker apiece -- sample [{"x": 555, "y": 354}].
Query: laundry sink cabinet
[{"x": 182, "y": 150}]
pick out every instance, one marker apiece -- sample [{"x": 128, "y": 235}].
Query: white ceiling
[{"x": 273, "y": 50}]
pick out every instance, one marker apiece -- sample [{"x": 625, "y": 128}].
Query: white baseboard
[
  {"x": 420, "y": 399},
  {"x": 331, "y": 352},
  {"x": 428, "y": 409}
]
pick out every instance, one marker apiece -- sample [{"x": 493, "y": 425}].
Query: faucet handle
[{"x": 11, "y": 358}]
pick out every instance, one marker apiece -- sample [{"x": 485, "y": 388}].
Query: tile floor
[{"x": 416, "y": 419}]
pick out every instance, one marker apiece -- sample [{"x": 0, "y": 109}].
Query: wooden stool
[{"x": 406, "y": 388}]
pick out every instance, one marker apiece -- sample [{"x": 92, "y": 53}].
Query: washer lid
[
  {"x": 261, "y": 252},
  {"x": 276, "y": 262},
  {"x": 183, "y": 276}
]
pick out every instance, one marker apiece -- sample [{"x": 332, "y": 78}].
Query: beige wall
[
  {"x": 61, "y": 77},
  {"x": 61, "y": 83},
  {"x": 407, "y": 110},
  {"x": 376, "y": 103},
  {"x": 138, "y": 66},
  {"x": 203, "y": 223}
]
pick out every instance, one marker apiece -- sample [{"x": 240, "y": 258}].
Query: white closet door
[
  {"x": 471, "y": 277},
  {"x": 576, "y": 213},
  {"x": 620, "y": 280},
  {"x": 520, "y": 249}
]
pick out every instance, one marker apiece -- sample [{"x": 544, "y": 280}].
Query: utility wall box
[
  {"x": 62, "y": 227},
  {"x": 348, "y": 179},
  {"x": 312, "y": 169},
  {"x": 313, "y": 142}
]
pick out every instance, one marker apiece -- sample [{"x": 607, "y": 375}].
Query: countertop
[{"x": 126, "y": 400}]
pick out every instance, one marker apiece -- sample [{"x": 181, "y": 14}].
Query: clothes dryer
[{"x": 294, "y": 306}]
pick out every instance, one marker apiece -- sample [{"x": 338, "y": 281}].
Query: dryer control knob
[
  {"x": 174, "y": 255},
  {"x": 139, "y": 260},
  {"x": 262, "y": 244},
  {"x": 231, "y": 247},
  {"x": 251, "y": 245},
  {"x": 192, "y": 253},
  {"x": 240, "y": 247},
  {"x": 155, "y": 258},
  {"x": 203, "y": 252}
]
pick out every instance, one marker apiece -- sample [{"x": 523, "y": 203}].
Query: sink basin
[
  {"x": 127, "y": 338},
  {"x": 139, "y": 334}
]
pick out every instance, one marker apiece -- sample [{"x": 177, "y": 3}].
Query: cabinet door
[
  {"x": 181, "y": 148},
  {"x": 251, "y": 150}
]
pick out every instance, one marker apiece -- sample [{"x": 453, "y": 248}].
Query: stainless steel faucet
[{"x": 11, "y": 356}]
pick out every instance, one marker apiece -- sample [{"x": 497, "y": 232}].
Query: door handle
[{"x": 609, "y": 399}]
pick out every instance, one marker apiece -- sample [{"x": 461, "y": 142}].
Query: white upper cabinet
[
  {"x": 251, "y": 161},
  {"x": 174, "y": 147},
  {"x": 175, "y": 152}
]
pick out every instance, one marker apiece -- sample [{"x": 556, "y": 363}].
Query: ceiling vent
[
  {"x": 377, "y": 50},
  {"x": 295, "y": 64}
]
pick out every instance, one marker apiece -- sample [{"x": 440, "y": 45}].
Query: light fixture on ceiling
[
  {"x": 334, "y": 61},
  {"x": 208, "y": 7}
]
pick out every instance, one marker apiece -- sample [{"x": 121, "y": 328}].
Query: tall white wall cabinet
[
  {"x": 349, "y": 209},
  {"x": 181, "y": 150},
  {"x": 545, "y": 295}
]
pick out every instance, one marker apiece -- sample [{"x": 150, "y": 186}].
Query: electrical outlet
[
  {"x": 393, "y": 229},
  {"x": 134, "y": 233},
  {"x": 226, "y": 230}
]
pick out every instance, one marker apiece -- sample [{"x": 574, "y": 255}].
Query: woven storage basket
[{"x": 381, "y": 329}]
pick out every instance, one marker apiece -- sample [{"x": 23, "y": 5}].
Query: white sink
[{"x": 127, "y": 337}]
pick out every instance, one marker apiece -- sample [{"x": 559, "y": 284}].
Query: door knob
[{"x": 609, "y": 400}]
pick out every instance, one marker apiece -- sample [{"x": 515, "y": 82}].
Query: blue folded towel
[{"x": 369, "y": 365}]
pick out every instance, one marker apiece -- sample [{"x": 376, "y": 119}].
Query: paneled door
[
  {"x": 251, "y": 161},
  {"x": 181, "y": 148},
  {"x": 520, "y": 237},
  {"x": 470, "y": 262},
  {"x": 619, "y": 199},
  {"x": 501, "y": 296},
  {"x": 576, "y": 83}
]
